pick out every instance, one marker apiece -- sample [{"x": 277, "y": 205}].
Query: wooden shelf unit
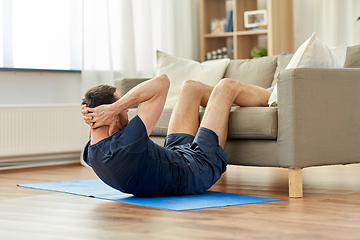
[{"x": 279, "y": 32}]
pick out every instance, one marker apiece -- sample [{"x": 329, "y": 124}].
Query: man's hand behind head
[
  {"x": 86, "y": 115},
  {"x": 102, "y": 115}
]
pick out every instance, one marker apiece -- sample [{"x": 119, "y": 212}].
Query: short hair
[{"x": 99, "y": 95}]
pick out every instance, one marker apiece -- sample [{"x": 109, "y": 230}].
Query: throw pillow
[
  {"x": 180, "y": 69},
  {"x": 257, "y": 71},
  {"x": 314, "y": 54},
  {"x": 352, "y": 57}
]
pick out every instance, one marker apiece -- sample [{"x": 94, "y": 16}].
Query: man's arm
[
  {"x": 150, "y": 110},
  {"x": 150, "y": 94}
]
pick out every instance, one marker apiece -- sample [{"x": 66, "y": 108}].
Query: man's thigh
[{"x": 185, "y": 116}]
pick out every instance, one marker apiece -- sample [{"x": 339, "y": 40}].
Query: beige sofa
[{"x": 315, "y": 123}]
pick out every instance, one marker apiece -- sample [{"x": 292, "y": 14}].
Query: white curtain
[
  {"x": 335, "y": 21},
  {"x": 120, "y": 37}
]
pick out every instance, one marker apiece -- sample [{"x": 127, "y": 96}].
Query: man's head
[
  {"x": 99, "y": 95},
  {"x": 105, "y": 94}
]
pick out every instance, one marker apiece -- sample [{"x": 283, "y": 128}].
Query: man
[{"x": 193, "y": 157}]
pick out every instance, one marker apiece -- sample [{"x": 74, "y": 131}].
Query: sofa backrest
[
  {"x": 282, "y": 61},
  {"x": 352, "y": 57},
  {"x": 263, "y": 71},
  {"x": 257, "y": 71}
]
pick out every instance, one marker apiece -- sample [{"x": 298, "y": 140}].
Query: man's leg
[
  {"x": 185, "y": 116},
  {"x": 224, "y": 95}
]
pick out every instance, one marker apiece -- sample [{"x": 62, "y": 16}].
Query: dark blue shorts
[
  {"x": 204, "y": 148},
  {"x": 207, "y": 140}
]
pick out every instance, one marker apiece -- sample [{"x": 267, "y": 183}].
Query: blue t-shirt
[{"x": 132, "y": 163}]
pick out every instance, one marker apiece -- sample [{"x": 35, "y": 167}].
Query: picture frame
[{"x": 253, "y": 19}]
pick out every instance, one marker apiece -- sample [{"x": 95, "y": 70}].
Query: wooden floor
[{"x": 330, "y": 208}]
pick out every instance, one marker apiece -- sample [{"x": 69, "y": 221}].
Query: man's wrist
[{"x": 115, "y": 108}]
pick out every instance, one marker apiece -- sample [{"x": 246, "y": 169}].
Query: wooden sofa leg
[{"x": 295, "y": 183}]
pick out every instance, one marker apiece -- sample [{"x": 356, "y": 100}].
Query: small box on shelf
[{"x": 217, "y": 26}]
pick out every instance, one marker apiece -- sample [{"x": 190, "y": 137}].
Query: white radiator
[{"x": 40, "y": 135}]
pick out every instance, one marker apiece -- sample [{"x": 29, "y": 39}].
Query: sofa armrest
[
  {"x": 318, "y": 117},
  {"x": 125, "y": 84}
]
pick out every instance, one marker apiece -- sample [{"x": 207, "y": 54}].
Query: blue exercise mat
[{"x": 96, "y": 188}]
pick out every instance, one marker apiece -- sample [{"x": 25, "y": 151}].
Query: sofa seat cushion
[
  {"x": 252, "y": 122},
  {"x": 244, "y": 122}
]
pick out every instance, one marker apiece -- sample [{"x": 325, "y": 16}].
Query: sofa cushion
[
  {"x": 352, "y": 57},
  {"x": 315, "y": 54},
  {"x": 257, "y": 71},
  {"x": 253, "y": 123},
  {"x": 180, "y": 69},
  {"x": 244, "y": 122}
]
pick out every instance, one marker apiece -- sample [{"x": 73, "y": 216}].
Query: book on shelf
[{"x": 229, "y": 23}]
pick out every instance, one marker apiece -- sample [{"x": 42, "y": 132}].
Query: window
[{"x": 40, "y": 34}]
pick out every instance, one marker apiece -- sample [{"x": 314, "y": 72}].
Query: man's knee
[
  {"x": 188, "y": 83},
  {"x": 191, "y": 86},
  {"x": 227, "y": 84}
]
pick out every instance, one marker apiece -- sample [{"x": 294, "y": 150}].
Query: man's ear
[{"x": 114, "y": 127}]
